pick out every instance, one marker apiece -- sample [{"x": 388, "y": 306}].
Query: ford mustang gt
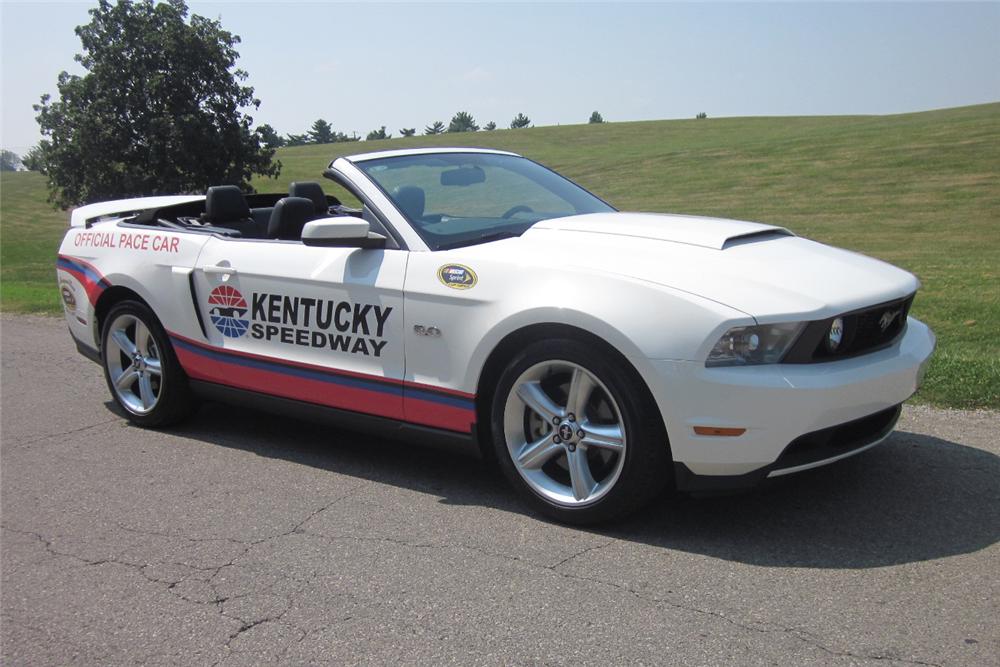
[{"x": 598, "y": 356}]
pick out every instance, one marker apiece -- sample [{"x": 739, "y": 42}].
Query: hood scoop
[{"x": 714, "y": 233}]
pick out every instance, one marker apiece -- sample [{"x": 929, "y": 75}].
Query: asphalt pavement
[{"x": 246, "y": 539}]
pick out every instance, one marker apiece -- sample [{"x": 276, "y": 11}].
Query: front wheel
[
  {"x": 140, "y": 367},
  {"x": 577, "y": 434}
]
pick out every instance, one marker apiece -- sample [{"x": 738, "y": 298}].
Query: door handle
[{"x": 218, "y": 270}]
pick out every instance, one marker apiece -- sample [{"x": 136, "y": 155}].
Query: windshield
[{"x": 460, "y": 199}]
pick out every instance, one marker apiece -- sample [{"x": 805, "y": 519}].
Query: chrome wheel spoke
[
  {"x": 127, "y": 378},
  {"x": 581, "y": 479},
  {"x": 536, "y": 454},
  {"x": 605, "y": 436},
  {"x": 580, "y": 388},
  {"x": 142, "y": 339},
  {"x": 146, "y": 394},
  {"x": 532, "y": 395},
  {"x": 125, "y": 345},
  {"x": 153, "y": 366}
]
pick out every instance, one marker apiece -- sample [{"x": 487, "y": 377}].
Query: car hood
[{"x": 762, "y": 270}]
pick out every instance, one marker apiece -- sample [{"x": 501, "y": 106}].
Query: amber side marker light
[{"x": 714, "y": 430}]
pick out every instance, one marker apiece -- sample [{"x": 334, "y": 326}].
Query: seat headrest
[
  {"x": 410, "y": 199},
  {"x": 225, "y": 203},
  {"x": 312, "y": 191},
  {"x": 288, "y": 218}
]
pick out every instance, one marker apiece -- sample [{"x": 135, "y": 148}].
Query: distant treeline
[{"x": 322, "y": 131}]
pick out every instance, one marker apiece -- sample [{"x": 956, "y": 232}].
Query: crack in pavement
[
  {"x": 49, "y": 436},
  {"x": 792, "y": 632},
  {"x": 557, "y": 569}
]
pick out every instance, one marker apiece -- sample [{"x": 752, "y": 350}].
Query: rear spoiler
[{"x": 85, "y": 216}]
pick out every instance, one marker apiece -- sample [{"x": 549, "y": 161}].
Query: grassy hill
[{"x": 919, "y": 190}]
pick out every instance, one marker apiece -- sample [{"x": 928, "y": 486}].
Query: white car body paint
[{"x": 660, "y": 289}]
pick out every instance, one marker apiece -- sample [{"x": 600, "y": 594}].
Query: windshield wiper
[{"x": 482, "y": 238}]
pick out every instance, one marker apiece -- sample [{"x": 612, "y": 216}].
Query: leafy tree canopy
[
  {"x": 269, "y": 137},
  {"x": 520, "y": 120},
  {"x": 34, "y": 160},
  {"x": 596, "y": 117},
  {"x": 408, "y": 131},
  {"x": 436, "y": 128},
  {"x": 9, "y": 160},
  {"x": 161, "y": 108},
  {"x": 463, "y": 122},
  {"x": 321, "y": 132},
  {"x": 490, "y": 126},
  {"x": 378, "y": 134}
]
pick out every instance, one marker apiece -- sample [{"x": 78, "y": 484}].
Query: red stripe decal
[{"x": 325, "y": 386}]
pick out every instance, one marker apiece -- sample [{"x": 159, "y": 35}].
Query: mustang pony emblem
[{"x": 887, "y": 318}]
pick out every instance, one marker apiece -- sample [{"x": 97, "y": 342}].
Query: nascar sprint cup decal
[{"x": 341, "y": 326}]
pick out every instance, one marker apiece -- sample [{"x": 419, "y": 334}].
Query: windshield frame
[{"x": 488, "y": 234}]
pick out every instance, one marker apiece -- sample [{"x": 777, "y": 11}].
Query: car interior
[{"x": 228, "y": 212}]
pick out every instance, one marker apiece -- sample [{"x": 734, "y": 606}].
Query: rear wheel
[
  {"x": 140, "y": 367},
  {"x": 577, "y": 434}
]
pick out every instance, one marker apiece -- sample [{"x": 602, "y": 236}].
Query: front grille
[{"x": 862, "y": 333}]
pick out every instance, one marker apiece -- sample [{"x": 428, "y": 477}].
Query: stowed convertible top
[{"x": 228, "y": 211}]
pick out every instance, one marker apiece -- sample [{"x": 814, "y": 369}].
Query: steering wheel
[{"x": 520, "y": 208}]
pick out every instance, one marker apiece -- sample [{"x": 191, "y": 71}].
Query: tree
[
  {"x": 9, "y": 160},
  {"x": 321, "y": 132},
  {"x": 596, "y": 117},
  {"x": 269, "y": 137},
  {"x": 436, "y": 128},
  {"x": 490, "y": 126},
  {"x": 520, "y": 120},
  {"x": 701, "y": 115},
  {"x": 375, "y": 135},
  {"x": 463, "y": 122},
  {"x": 160, "y": 109},
  {"x": 408, "y": 132},
  {"x": 34, "y": 160},
  {"x": 297, "y": 140}
]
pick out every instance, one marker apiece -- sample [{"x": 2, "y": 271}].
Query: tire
[
  {"x": 141, "y": 369},
  {"x": 577, "y": 434}
]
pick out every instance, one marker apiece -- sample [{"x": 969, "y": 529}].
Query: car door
[{"x": 315, "y": 324}]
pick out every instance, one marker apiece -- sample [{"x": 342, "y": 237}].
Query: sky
[{"x": 360, "y": 66}]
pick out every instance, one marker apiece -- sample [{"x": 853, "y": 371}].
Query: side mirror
[{"x": 341, "y": 232}]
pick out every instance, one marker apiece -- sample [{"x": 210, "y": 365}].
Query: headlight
[{"x": 762, "y": 344}]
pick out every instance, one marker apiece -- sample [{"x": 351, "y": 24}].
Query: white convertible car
[{"x": 598, "y": 356}]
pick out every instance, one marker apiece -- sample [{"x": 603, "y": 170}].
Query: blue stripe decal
[
  {"x": 324, "y": 376},
  {"x": 66, "y": 263}
]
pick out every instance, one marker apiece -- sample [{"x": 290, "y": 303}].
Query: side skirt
[
  {"x": 88, "y": 352},
  {"x": 463, "y": 443}
]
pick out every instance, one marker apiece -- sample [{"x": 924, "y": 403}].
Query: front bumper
[{"x": 778, "y": 404}]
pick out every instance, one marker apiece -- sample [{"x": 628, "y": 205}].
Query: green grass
[
  {"x": 30, "y": 232},
  {"x": 919, "y": 190}
]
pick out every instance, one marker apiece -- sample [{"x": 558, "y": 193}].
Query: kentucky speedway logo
[{"x": 228, "y": 309}]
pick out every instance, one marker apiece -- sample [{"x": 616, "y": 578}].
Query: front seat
[
  {"x": 410, "y": 200},
  {"x": 312, "y": 191},
  {"x": 288, "y": 218}
]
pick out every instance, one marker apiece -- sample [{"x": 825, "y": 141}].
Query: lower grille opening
[{"x": 837, "y": 440}]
